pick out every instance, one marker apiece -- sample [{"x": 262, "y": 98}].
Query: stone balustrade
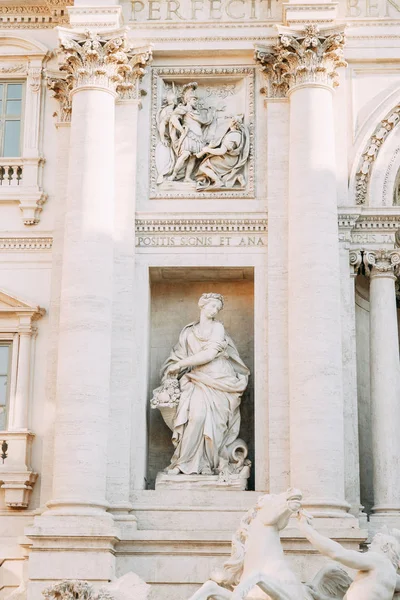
[
  {"x": 11, "y": 171},
  {"x": 21, "y": 181}
]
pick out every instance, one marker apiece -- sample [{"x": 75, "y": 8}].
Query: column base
[
  {"x": 389, "y": 517},
  {"x": 73, "y": 545},
  {"x": 324, "y": 507}
]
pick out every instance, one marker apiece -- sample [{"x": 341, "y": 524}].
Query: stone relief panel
[{"x": 202, "y": 143}]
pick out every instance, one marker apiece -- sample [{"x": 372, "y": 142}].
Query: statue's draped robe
[
  {"x": 208, "y": 415},
  {"x": 227, "y": 167}
]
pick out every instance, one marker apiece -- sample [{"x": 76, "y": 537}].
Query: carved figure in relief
[
  {"x": 165, "y": 155},
  {"x": 257, "y": 568},
  {"x": 203, "y": 382},
  {"x": 186, "y": 129},
  {"x": 377, "y": 577},
  {"x": 225, "y": 157}
]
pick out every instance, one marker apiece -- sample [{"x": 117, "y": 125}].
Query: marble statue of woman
[{"x": 212, "y": 380}]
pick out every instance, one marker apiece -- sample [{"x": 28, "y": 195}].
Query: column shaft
[
  {"x": 315, "y": 361},
  {"x": 83, "y": 377},
  {"x": 385, "y": 392}
]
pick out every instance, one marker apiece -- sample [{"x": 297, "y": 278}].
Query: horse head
[{"x": 276, "y": 509}]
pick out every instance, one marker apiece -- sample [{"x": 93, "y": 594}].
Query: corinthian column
[
  {"x": 76, "y": 517},
  {"x": 385, "y": 383},
  {"x": 305, "y": 63},
  {"x": 93, "y": 64}
]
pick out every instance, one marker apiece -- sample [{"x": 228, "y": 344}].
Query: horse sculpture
[{"x": 257, "y": 568}]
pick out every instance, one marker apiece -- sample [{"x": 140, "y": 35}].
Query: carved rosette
[
  {"x": 94, "y": 60},
  {"x": 138, "y": 58},
  {"x": 381, "y": 262},
  {"x": 310, "y": 57},
  {"x": 61, "y": 89}
]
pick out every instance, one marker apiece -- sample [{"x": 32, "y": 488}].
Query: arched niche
[
  {"x": 375, "y": 153},
  {"x": 385, "y": 170}
]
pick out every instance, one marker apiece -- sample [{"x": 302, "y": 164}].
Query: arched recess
[
  {"x": 375, "y": 144},
  {"x": 16, "y": 47},
  {"x": 385, "y": 168}
]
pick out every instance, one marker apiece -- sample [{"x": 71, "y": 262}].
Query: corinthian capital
[
  {"x": 91, "y": 59},
  {"x": 310, "y": 57},
  {"x": 132, "y": 73},
  {"x": 381, "y": 262},
  {"x": 61, "y": 89}
]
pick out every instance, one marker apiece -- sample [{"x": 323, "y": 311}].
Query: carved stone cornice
[
  {"x": 94, "y": 60},
  {"x": 381, "y": 262},
  {"x": 61, "y": 89},
  {"x": 308, "y": 57},
  {"x": 138, "y": 59}
]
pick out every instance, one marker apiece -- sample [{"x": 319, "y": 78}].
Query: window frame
[
  {"x": 21, "y": 117},
  {"x": 8, "y": 344},
  {"x": 10, "y": 339}
]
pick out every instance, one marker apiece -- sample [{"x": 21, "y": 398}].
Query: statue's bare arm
[{"x": 349, "y": 558}]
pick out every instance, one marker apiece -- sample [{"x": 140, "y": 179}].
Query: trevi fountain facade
[{"x": 199, "y": 262}]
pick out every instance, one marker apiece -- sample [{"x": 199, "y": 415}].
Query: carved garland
[
  {"x": 371, "y": 152},
  {"x": 197, "y": 73}
]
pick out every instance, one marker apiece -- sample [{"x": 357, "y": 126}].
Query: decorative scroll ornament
[
  {"x": 61, "y": 89},
  {"x": 309, "y": 57},
  {"x": 381, "y": 261},
  {"x": 97, "y": 60},
  {"x": 138, "y": 58},
  {"x": 355, "y": 259}
]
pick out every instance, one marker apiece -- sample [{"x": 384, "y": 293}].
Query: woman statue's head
[{"x": 211, "y": 304}]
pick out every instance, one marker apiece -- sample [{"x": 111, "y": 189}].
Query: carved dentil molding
[
  {"x": 90, "y": 59},
  {"x": 184, "y": 226},
  {"x": 371, "y": 151},
  {"x": 310, "y": 57},
  {"x": 26, "y": 244}
]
